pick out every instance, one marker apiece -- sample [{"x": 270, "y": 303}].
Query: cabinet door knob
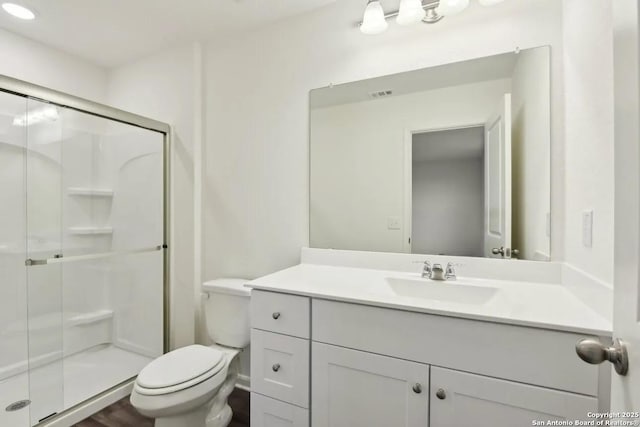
[
  {"x": 441, "y": 394},
  {"x": 276, "y": 367},
  {"x": 417, "y": 388},
  {"x": 276, "y": 315}
]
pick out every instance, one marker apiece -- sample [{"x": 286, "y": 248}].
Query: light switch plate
[
  {"x": 587, "y": 228},
  {"x": 393, "y": 223}
]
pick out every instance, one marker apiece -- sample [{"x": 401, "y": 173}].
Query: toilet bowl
[{"x": 189, "y": 387}]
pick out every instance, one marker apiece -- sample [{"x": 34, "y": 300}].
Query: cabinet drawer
[
  {"x": 267, "y": 412},
  {"x": 463, "y": 399},
  {"x": 528, "y": 355},
  {"x": 281, "y": 313},
  {"x": 280, "y": 367}
]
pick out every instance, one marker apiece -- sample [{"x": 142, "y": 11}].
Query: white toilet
[{"x": 189, "y": 387}]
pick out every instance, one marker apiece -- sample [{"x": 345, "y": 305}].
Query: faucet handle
[
  {"x": 426, "y": 268},
  {"x": 450, "y": 271}
]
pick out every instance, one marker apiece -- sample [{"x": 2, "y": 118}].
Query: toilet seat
[{"x": 181, "y": 369}]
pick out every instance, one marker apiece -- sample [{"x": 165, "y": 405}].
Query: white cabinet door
[
  {"x": 267, "y": 412},
  {"x": 356, "y": 389},
  {"x": 459, "y": 399}
]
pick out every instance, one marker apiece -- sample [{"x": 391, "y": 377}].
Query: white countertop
[{"x": 539, "y": 305}]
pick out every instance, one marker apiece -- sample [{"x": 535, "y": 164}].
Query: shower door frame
[{"x": 61, "y": 99}]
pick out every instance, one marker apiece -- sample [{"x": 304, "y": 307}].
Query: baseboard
[{"x": 243, "y": 382}]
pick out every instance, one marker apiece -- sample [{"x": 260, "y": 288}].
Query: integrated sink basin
[{"x": 445, "y": 291}]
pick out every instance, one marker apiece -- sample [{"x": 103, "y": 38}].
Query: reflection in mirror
[{"x": 450, "y": 160}]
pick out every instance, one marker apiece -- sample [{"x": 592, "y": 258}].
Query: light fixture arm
[{"x": 429, "y": 6}]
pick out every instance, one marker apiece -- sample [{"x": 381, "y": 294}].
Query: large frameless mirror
[{"x": 448, "y": 160}]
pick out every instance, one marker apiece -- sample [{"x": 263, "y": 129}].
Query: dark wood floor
[{"x": 122, "y": 414}]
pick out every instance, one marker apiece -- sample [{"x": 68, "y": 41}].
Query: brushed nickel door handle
[{"x": 594, "y": 352}]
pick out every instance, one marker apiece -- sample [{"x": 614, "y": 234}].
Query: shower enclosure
[{"x": 83, "y": 250}]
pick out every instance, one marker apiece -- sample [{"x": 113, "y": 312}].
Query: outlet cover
[{"x": 393, "y": 223}]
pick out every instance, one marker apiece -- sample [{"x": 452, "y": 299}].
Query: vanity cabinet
[{"x": 347, "y": 364}]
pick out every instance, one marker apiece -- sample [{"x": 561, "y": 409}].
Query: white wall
[
  {"x": 358, "y": 160},
  {"x": 448, "y": 207},
  {"x": 588, "y": 135},
  {"x": 165, "y": 86},
  {"x": 531, "y": 162},
  {"x": 256, "y": 182},
  {"x": 33, "y": 62}
]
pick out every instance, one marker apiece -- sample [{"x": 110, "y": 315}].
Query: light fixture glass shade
[
  {"x": 451, "y": 7},
  {"x": 373, "y": 21},
  {"x": 489, "y": 2},
  {"x": 18, "y": 11},
  {"x": 411, "y": 12}
]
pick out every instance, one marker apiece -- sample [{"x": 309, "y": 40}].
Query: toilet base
[
  {"x": 190, "y": 419},
  {"x": 220, "y": 413}
]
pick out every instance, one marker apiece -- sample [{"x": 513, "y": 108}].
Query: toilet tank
[{"x": 226, "y": 309}]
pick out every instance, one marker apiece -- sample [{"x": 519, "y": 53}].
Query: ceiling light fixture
[
  {"x": 18, "y": 11},
  {"x": 451, "y": 7},
  {"x": 412, "y": 12},
  {"x": 374, "y": 21}
]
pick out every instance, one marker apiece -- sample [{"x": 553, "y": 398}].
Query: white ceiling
[{"x": 113, "y": 32}]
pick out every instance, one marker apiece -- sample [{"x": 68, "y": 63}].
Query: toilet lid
[{"x": 180, "y": 366}]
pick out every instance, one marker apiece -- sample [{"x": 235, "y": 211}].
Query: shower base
[{"x": 57, "y": 385}]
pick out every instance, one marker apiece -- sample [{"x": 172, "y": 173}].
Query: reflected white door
[
  {"x": 625, "y": 390},
  {"x": 497, "y": 179}
]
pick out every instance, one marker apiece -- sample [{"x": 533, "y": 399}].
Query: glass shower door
[
  {"x": 112, "y": 265},
  {"x": 14, "y": 355},
  {"x": 82, "y": 282},
  {"x": 44, "y": 169}
]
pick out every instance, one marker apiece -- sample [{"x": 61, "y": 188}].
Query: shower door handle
[
  {"x": 59, "y": 258},
  {"x": 31, "y": 262}
]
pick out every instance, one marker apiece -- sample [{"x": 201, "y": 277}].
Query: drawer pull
[
  {"x": 417, "y": 388},
  {"x": 441, "y": 394},
  {"x": 276, "y": 367},
  {"x": 276, "y": 315}
]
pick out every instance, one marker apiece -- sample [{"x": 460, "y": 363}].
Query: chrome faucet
[
  {"x": 426, "y": 270},
  {"x": 436, "y": 272},
  {"x": 450, "y": 272}
]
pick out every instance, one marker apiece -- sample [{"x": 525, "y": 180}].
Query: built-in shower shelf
[
  {"x": 91, "y": 231},
  {"x": 90, "y": 192},
  {"x": 81, "y": 319}
]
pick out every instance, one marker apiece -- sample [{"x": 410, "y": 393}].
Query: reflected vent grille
[{"x": 380, "y": 93}]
